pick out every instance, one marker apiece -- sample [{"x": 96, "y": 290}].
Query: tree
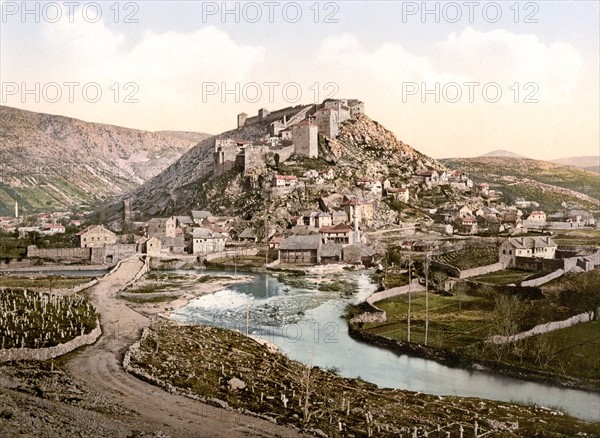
[
  {"x": 583, "y": 294},
  {"x": 276, "y": 159},
  {"x": 439, "y": 278},
  {"x": 459, "y": 291},
  {"x": 506, "y": 320}
]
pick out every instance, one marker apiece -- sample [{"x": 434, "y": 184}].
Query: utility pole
[
  {"x": 426, "y": 296},
  {"x": 409, "y": 286}
]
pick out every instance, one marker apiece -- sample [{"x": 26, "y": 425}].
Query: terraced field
[{"x": 469, "y": 258}]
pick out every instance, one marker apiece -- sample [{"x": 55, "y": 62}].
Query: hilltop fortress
[{"x": 286, "y": 132}]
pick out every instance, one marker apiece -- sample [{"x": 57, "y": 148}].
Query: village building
[
  {"x": 340, "y": 233},
  {"x": 173, "y": 245},
  {"x": 362, "y": 208},
  {"x": 284, "y": 181},
  {"x": 275, "y": 241},
  {"x": 513, "y": 247},
  {"x": 327, "y": 121},
  {"x": 199, "y": 216},
  {"x": 301, "y": 250},
  {"x": 358, "y": 253},
  {"x": 428, "y": 176},
  {"x": 52, "y": 229},
  {"x": 537, "y": 216},
  {"x": 248, "y": 235},
  {"x": 484, "y": 189},
  {"x": 183, "y": 222},
  {"x": 399, "y": 194},
  {"x": 95, "y": 236},
  {"x": 206, "y": 241},
  {"x": 160, "y": 226},
  {"x": 148, "y": 245},
  {"x": 331, "y": 253}
]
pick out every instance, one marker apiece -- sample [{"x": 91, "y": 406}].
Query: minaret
[
  {"x": 17, "y": 209},
  {"x": 356, "y": 230}
]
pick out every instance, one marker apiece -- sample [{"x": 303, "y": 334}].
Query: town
[{"x": 460, "y": 272}]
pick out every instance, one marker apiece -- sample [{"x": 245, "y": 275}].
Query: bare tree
[{"x": 506, "y": 320}]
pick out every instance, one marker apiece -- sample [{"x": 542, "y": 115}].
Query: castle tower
[
  {"x": 263, "y": 115},
  {"x": 305, "y": 138},
  {"x": 241, "y": 120},
  {"x": 327, "y": 120}
]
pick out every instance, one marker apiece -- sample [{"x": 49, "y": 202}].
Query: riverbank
[{"x": 238, "y": 373}]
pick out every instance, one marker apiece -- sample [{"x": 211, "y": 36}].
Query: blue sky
[{"x": 157, "y": 73}]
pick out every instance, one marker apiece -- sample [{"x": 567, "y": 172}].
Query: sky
[{"x": 452, "y": 79}]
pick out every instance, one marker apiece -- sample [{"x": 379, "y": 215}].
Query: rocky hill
[
  {"x": 362, "y": 148},
  {"x": 502, "y": 153},
  {"x": 548, "y": 183},
  {"x": 50, "y": 162},
  {"x": 591, "y": 163}
]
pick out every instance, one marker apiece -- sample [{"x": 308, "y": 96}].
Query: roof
[
  {"x": 537, "y": 213},
  {"x": 331, "y": 250},
  {"x": 469, "y": 219},
  {"x": 427, "y": 172},
  {"x": 184, "y": 219},
  {"x": 157, "y": 220},
  {"x": 339, "y": 228},
  {"x": 205, "y": 233},
  {"x": 90, "y": 228},
  {"x": 301, "y": 242},
  {"x": 359, "y": 248},
  {"x": 286, "y": 177},
  {"x": 201, "y": 214},
  {"x": 531, "y": 242},
  {"x": 305, "y": 122},
  {"x": 247, "y": 233}
]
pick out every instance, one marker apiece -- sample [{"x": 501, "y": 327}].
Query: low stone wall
[
  {"x": 453, "y": 271},
  {"x": 543, "y": 280},
  {"x": 481, "y": 270},
  {"x": 543, "y": 328},
  {"x": 150, "y": 295},
  {"x": 72, "y": 255},
  {"x": 11, "y": 354},
  {"x": 379, "y": 315}
]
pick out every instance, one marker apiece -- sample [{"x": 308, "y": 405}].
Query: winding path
[{"x": 100, "y": 366}]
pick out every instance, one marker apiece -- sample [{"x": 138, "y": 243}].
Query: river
[{"x": 307, "y": 326}]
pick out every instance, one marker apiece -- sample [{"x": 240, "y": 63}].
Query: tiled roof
[{"x": 531, "y": 242}]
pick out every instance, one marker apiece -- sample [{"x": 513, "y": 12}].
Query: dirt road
[{"x": 99, "y": 365}]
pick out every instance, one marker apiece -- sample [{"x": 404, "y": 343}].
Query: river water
[{"x": 307, "y": 326}]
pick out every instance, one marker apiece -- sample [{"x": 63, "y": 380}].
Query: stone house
[
  {"x": 301, "y": 250},
  {"x": 248, "y": 235},
  {"x": 150, "y": 246},
  {"x": 173, "y": 245},
  {"x": 358, "y": 253},
  {"x": 513, "y": 247},
  {"x": 199, "y": 216},
  {"x": 331, "y": 253},
  {"x": 428, "y": 176},
  {"x": 95, "y": 236},
  {"x": 161, "y": 226},
  {"x": 206, "y": 241},
  {"x": 340, "y": 233},
  {"x": 537, "y": 216},
  {"x": 183, "y": 222},
  {"x": 362, "y": 208},
  {"x": 52, "y": 229},
  {"x": 484, "y": 188},
  {"x": 327, "y": 121},
  {"x": 284, "y": 181}
]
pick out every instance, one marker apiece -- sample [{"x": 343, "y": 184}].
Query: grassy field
[
  {"x": 462, "y": 323},
  {"x": 50, "y": 282},
  {"x": 469, "y": 258},
  {"x": 577, "y": 237},
  {"x": 505, "y": 276}
]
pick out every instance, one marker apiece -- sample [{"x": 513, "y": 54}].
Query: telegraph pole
[
  {"x": 409, "y": 286},
  {"x": 426, "y": 296}
]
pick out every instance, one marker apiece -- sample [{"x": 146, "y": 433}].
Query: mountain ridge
[{"x": 53, "y": 162}]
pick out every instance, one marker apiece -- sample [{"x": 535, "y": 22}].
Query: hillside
[
  {"x": 548, "y": 183},
  {"x": 50, "y": 162},
  {"x": 362, "y": 148},
  {"x": 501, "y": 153},
  {"x": 591, "y": 163}
]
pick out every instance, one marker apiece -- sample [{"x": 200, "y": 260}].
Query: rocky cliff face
[
  {"x": 363, "y": 148},
  {"x": 50, "y": 162}
]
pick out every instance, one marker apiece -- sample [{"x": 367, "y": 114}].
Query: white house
[
  {"x": 206, "y": 241},
  {"x": 537, "y": 216},
  {"x": 513, "y": 247}
]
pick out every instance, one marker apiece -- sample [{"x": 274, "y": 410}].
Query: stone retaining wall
[{"x": 11, "y": 354}]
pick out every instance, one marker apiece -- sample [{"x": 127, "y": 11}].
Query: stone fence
[
  {"x": 11, "y": 354},
  {"x": 473, "y": 272},
  {"x": 543, "y": 280},
  {"x": 543, "y": 328},
  {"x": 379, "y": 315}
]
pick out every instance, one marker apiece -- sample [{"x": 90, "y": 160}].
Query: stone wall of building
[
  {"x": 7, "y": 355},
  {"x": 255, "y": 157},
  {"x": 67, "y": 255},
  {"x": 305, "y": 138}
]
